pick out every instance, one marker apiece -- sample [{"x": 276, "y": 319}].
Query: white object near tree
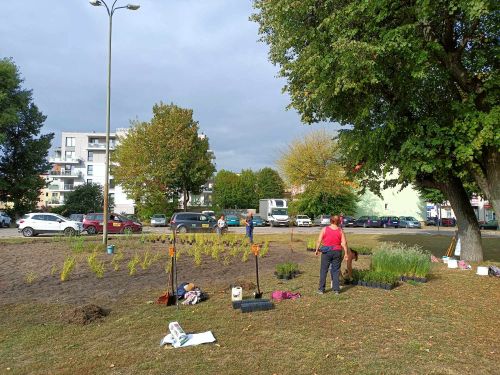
[
  {"x": 482, "y": 271},
  {"x": 458, "y": 248}
]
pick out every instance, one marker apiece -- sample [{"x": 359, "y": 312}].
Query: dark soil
[
  {"x": 40, "y": 258},
  {"x": 85, "y": 314}
]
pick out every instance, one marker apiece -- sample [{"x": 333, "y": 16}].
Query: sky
[{"x": 198, "y": 54}]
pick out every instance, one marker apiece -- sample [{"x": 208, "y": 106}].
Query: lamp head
[
  {"x": 132, "y": 6},
  {"x": 95, "y": 3}
]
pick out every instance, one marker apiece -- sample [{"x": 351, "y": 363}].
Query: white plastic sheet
[{"x": 193, "y": 339}]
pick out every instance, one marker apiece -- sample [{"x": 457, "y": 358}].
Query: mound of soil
[{"x": 86, "y": 314}]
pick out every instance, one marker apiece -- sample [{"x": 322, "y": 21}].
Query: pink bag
[{"x": 279, "y": 295}]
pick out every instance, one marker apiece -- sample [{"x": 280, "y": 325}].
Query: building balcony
[
  {"x": 65, "y": 187},
  {"x": 101, "y": 146},
  {"x": 54, "y": 202},
  {"x": 65, "y": 173},
  {"x": 56, "y": 160}
]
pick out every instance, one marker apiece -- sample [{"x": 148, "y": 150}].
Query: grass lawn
[{"x": 446, "y": 326}]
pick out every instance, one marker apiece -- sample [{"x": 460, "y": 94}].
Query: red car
[{"x": 92, "y": 224}]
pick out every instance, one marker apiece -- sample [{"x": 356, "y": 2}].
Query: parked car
[
  {"x": 93, "y": 224},
  {"x": 33, "y": 224},
  {"x": 389, "y": 221},
  {"x": 431, "y": 221},
  {"x": 134, "y": 218},
  {"x": 322, "y": 220},
  {"x": 158, "y": 220},
  {"x": 303, "y": 221},
  {"x": 491, "y": 224},
  {"x": 77, "y": 217},
  {"x": 409, "y": 222},
  {"x": 232, "y": 221},
  {"x": 448, "y": 222},
  {"x": 258, "y": 222},
  {"x": 348, "y": 221},
  {"x": 5, "y": 220},
  {"x": 184, "y": 222},
  {"x": 209, "y": 213},
  {"x": 367, "y": 222}
]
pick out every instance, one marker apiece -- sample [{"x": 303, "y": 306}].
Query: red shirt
[{"x": 333, "y": 238}]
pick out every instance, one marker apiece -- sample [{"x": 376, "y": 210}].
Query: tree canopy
[
  {"x": 244, "y": 189},
  {"x": 84, "y": 199},
  {"x": 311, "y": 166},
  {"x": 164, "y": 157},
  {"x": 23, "y": 150},
  {"x": 417, "y": 83}
]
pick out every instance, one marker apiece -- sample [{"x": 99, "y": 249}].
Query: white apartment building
[{"x": 80, "y": 160}]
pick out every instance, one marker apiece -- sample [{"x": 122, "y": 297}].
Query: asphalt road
[{"x": 429, "y": 231}]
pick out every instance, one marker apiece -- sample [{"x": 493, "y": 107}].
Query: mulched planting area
[{"x": 19, "y": 262}]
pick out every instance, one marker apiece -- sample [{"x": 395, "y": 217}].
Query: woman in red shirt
[{"x": 333, "y": 241}]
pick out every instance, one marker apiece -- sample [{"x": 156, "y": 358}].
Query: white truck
[{"x": 274, "y": 212}]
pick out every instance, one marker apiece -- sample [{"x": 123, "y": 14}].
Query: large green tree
[
  {"x": 84, "y": 199},
  {"x": 311, "y": 166},
  {"x": 269, "y": 184},
  {"x": 162, "y": 157},
  {"x": 417, "y": 82},
  {"x": 244, "y": 189},
  {"x": 226, "y": 190},
  {"x": 23, "y": 150}
]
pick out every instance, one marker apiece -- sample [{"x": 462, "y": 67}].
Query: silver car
[
  {"x": 409, "y": 222},
  {"x": 158, "y": 220}
]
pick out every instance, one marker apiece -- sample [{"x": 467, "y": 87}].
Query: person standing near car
[
  {"x": 221, "y": 224},
  {"x": 331, "y": 241},
  {"x": 249, "y": 227}
]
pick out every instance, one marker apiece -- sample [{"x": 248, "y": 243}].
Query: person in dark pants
[
  {"x": 331, "y": 241},
  {"x": 249, "y": 227}
]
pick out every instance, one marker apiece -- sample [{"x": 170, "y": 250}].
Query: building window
[
  {"x": 90, "y": 156},
  {"x": 90, "y": 170},
  {"x": 69, "y": 155},
  {"x": 70, "y": 141},
  {"x": 112, "y": 184},
  {"x": 94, "y": 140},
  {"x": 89, "y": 181}
]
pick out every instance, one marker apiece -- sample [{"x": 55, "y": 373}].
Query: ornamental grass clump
[
  {"x": 401, "y": 260},
  {"x": 68, "y": 266},
  {"x": 95, "y": 265}
]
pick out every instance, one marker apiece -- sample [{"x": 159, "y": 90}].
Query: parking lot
[{"x": 13, "y": 233}]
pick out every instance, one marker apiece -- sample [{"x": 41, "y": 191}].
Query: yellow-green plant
[
  {"x": 117, "y": 258},
  {"x": 78, "y": 244},
  {"x": 68, "y": 266},
  {"x": 53, "y": 270},
  {"x": 30, "y": 277},
  {"x": 132, "y": 264},
  {"x": 95, "y": 265},
  {"x": 264, "y": 249},
  {"x": 147, "y": 260},
  {"x": 246, "y": 253}
]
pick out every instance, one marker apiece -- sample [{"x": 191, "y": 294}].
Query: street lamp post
[{"x": 111, "y": 10}]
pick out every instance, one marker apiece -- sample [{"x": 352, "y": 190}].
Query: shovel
[{"x": 255, "y": 250}]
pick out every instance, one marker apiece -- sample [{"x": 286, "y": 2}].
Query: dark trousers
[
  {"x": 333, "y": 259},
  {"x": 249, "y": 233}
]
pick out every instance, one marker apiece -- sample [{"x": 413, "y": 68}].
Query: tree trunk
[
  {"x": 185, "y": 198},
  {"x": 487, "y": 178},
  {"x": 468, "y": 227}
]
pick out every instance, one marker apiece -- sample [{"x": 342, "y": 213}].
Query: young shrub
[
  {"x": 30, "y": 277},
  {"x": 95, "y": 265},
  {"x": 68, "y": 266},
  {"x": 246, "y": 253},
  {"x": 147, "y": 260},
  {"x": 78, "y": 244},
  {"x": 117, "y": 258},
  {"x": 53, "y": 270},
  {"x": 132, "y": 265},
  {"x": 311, "y": 243},
  {"x": 264, "y": 249}
]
